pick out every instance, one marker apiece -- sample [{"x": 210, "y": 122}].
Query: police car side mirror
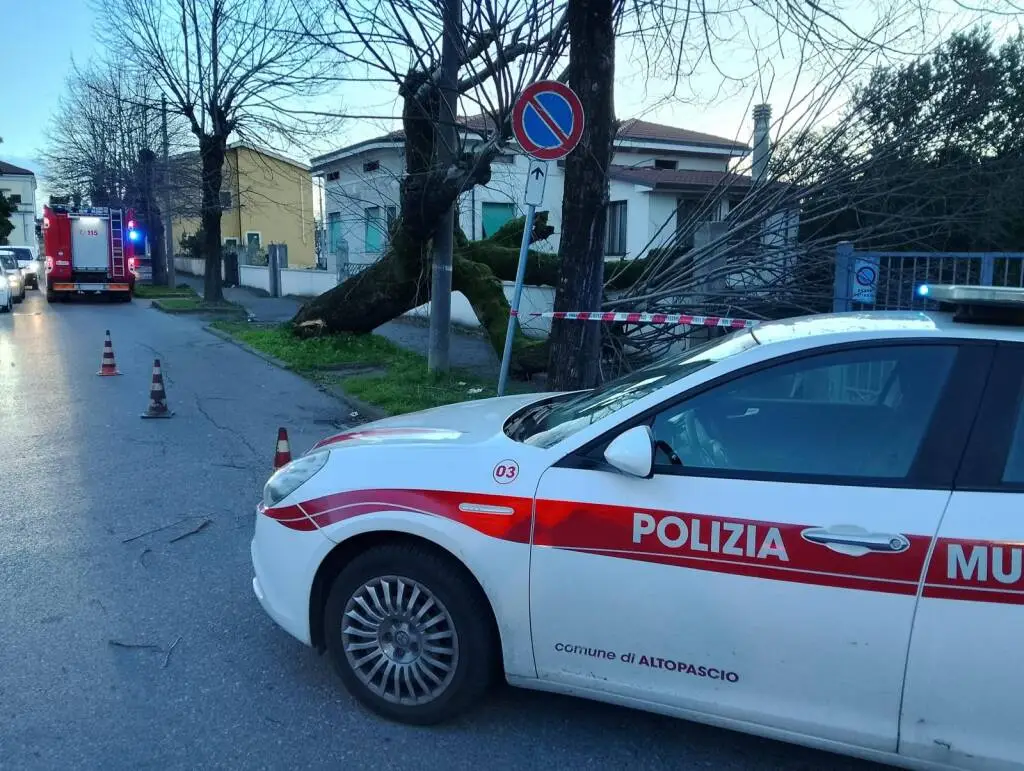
[{"x": 632, "y": 452}]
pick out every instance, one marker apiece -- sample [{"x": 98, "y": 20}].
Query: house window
[
  {"x": 661, "y": 163},
  {"x": 504, "y": 158},
  {"x": 253, "y": 240},
  {"x": 615, "y": 230},
  {"x": 371, "y": 165},
  {"x": 225, "y": 200},
  {"x": 332, "y": 176},
  {"x": 334, "y": 233},
  {"x": 373, "y": 234},
  {"x": 14, "y": 198},
  {"x": 493, "y": 215}
]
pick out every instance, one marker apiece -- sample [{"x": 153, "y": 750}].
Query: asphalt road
[{"x": 85, "y": 575}]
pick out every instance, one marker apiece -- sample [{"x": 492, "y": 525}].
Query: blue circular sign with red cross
[{"x": 547, "y": 120}]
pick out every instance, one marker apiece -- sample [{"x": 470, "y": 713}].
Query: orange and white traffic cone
[
  {"x": 157, "y": 395},
  {"x": 283, "y": 452},
  {"x": 107, "y": 364}
]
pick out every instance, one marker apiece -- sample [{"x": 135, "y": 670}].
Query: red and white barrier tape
[{"x": 645, "y": 318}]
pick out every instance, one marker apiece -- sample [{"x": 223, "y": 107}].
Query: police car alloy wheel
[{"x": 409, "y": 634}]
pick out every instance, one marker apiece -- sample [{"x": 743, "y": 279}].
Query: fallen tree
[{"x": 502, "y": 50}]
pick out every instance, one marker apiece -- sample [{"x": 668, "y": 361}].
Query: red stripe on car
[{"x": 978, "y": 571}]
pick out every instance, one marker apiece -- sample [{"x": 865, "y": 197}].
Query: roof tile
[{"x": 652, "y": 177}]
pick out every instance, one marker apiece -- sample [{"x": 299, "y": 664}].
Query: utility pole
[
  {"x": 444, "y": 240},
  {"x": 168, "y": 233}
]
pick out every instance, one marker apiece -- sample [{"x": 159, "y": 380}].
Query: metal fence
[
  {"x": 866, "y": 280},
  {"x": 348, "y": 269}
]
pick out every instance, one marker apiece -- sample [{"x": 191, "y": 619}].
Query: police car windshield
[{"x": 551, "y": 421}]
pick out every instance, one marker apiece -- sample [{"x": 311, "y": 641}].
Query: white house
[
  {"x": 19, "y": 185},
  {"x": 659, "y": 175}
]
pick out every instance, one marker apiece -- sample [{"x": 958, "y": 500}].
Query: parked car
[
  {"x": 29, "y": 262},
  {"x": 6, "y": 295},
  {"x": 809, "y": 530},
  {"x": 15, "y": 278}
]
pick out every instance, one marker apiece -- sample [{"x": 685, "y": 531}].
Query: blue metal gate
[{"x": 867, "y": 280}]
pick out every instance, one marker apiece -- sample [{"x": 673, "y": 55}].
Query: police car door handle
[
  {"x": 856, "y": 541},
  {"x": 746, "y": 414}
]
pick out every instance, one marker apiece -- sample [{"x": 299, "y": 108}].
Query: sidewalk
[
  {"x": 468, "y": 351},
  {"x": 266, "y": 309}
]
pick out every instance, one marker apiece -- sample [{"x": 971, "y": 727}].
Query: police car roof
[{"x": 882, "y": 324}]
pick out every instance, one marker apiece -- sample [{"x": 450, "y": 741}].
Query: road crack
[{"x": 234, "y": 432}]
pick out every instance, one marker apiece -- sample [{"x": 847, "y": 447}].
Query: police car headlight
[{"x": 287, "y": 479}]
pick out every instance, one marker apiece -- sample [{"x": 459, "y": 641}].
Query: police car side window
[
  {"x": 851, "y": 413},
  {"x": 1013, "y": 472}
]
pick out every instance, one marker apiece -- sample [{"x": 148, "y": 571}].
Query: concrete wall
[
  {"x": 306, "y": 283},
  {"x": 190, "y": 265},
  {"x": 661, "y": 212},
  {"x": 535, "y": 299},
  {"x": 254, "y": 277}
]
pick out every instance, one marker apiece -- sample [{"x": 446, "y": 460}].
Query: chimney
[{"x": 762, "y": 141}]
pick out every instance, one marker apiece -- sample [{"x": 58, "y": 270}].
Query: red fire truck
[{"x": 90, "y": 251}]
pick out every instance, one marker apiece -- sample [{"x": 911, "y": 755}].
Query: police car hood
[{"x": 464, "y": 423}]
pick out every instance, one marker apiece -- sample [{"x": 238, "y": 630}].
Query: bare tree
[
  {"x": 229, "y": 68},
  {"x": 502, "y": 47},
  {"x": 729, "y": 43},
  {"x": 859, "y": 173},
  {"x": 574, "y": 354},
  {"x": 104, "y": 120}
]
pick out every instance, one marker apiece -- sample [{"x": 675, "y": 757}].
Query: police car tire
[{"x": 466, "y": 605}]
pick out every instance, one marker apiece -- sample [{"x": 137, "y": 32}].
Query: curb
[
  {"x": 358, "y": 405},
  {"x": 246, "y": 347},
  {"x": 355, "y": 405},
  {"x": 219, "y": 313}
]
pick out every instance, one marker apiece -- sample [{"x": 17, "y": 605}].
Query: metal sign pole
[
  {"x": 517, "y": 295},
  {"x": 547, "y": 121}
]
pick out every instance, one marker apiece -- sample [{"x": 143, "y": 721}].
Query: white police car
[{"x": 812, "y": 530}]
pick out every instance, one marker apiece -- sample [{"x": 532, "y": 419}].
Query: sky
[
  {"x": 39, "y": 54},
  {"x": 45, "y": 52}
]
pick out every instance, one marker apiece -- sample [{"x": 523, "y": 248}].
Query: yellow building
[{"x": 266, "y": 198}]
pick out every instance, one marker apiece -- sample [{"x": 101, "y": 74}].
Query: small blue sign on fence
[{"x": 865, "y": 279}]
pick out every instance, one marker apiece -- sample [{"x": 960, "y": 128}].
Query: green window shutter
[
  {"x": 374, "y": 233},
  {"x": 494, "y": 215}
]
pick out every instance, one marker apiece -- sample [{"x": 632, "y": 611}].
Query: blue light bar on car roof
[{"x": 960, "y": 294}]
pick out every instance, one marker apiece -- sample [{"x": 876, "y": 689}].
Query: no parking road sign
[
  {"x": 547, "y": 120},
  {"x": 865, "y": 279}
]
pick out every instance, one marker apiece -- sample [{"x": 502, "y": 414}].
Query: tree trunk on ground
[
  {"x": 396, "y": 283},
  {"x": 212, "y": 150},
  {"x": 576, "y": 346},
  {"x": 485, "y": 293}
]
